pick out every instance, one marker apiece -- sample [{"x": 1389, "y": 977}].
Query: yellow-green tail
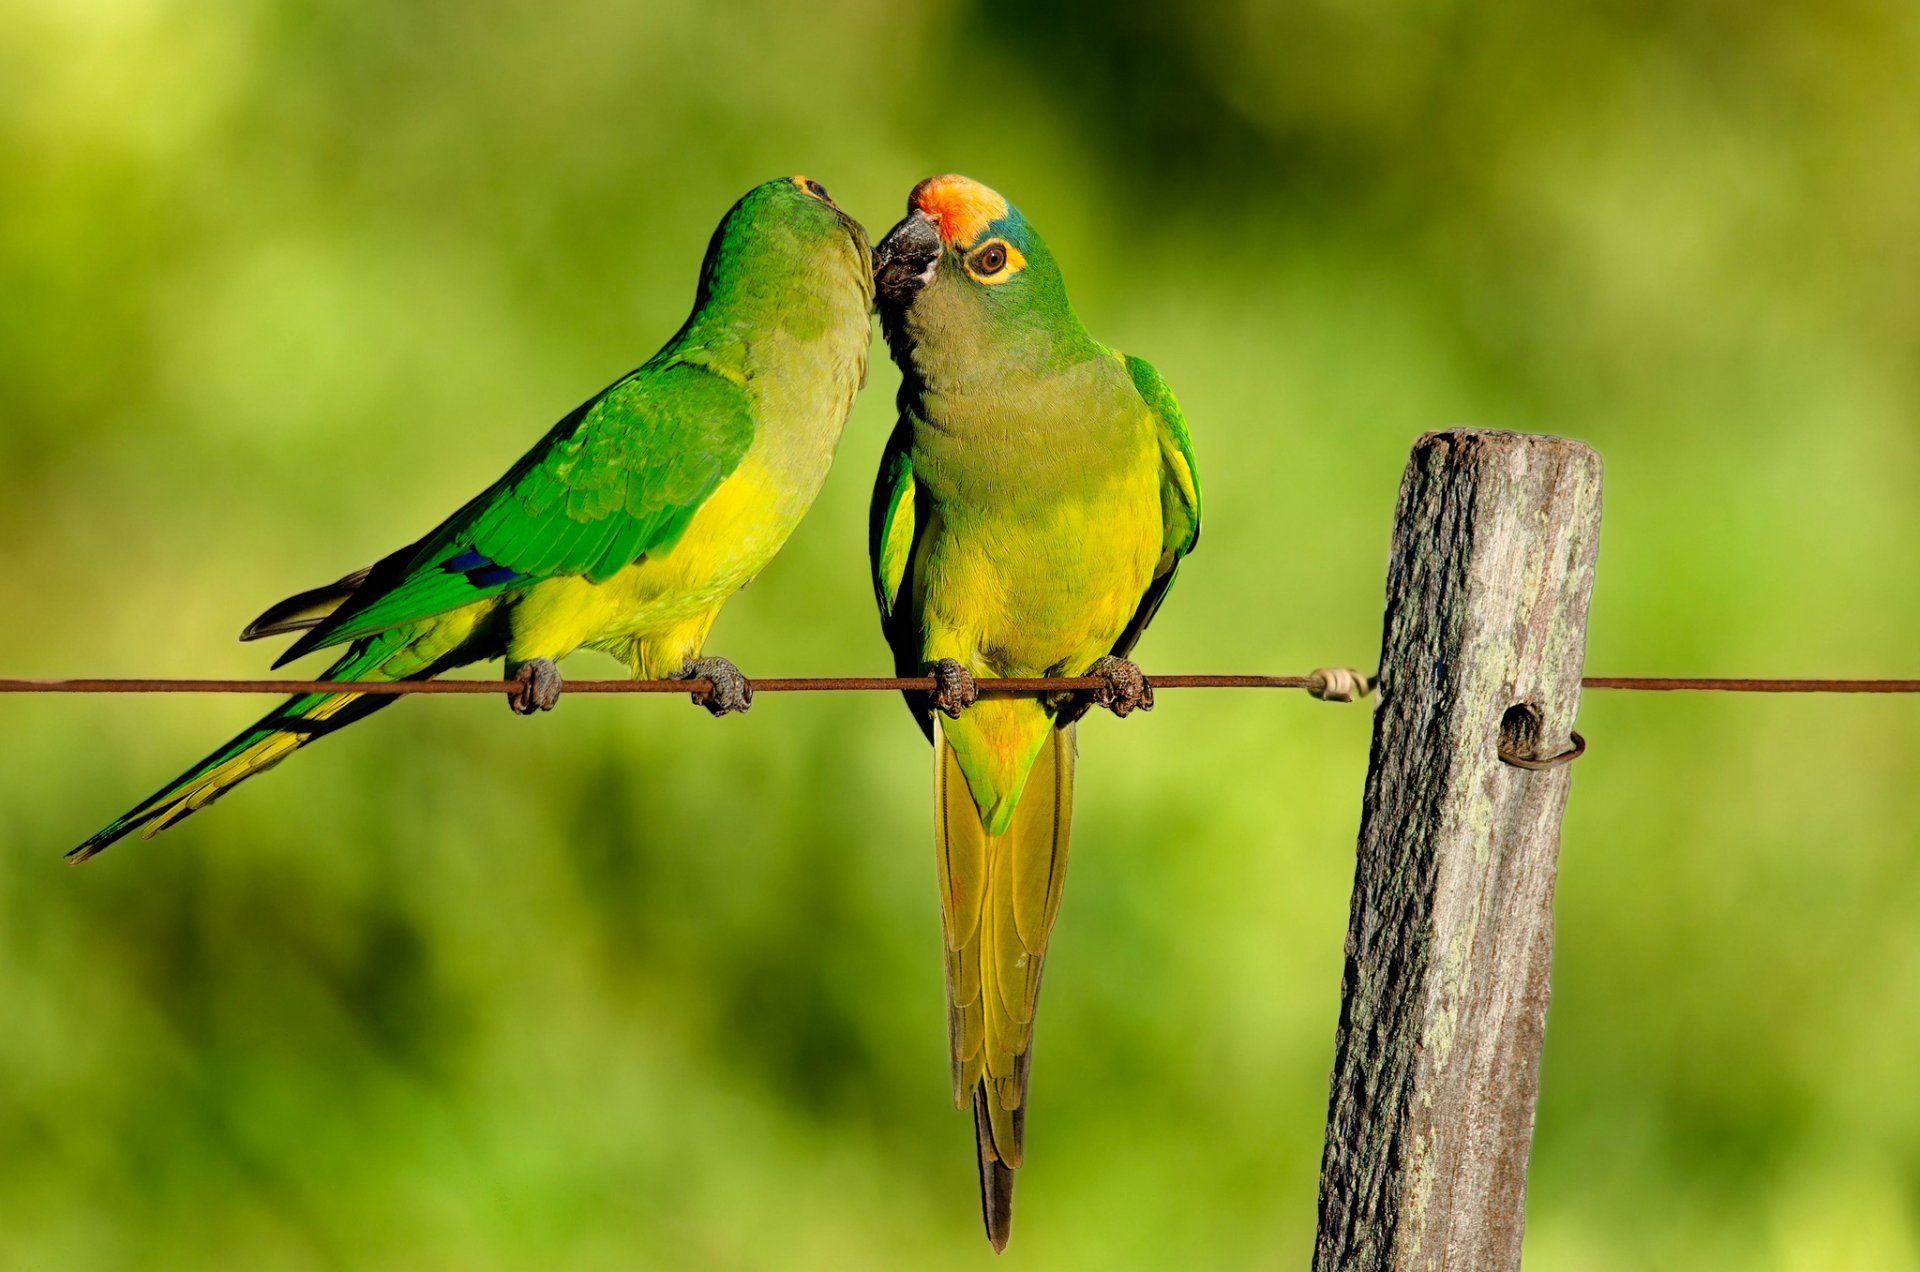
[
  {"x": 1000, "y": 895},
  {"x": 296, "y": 722}
]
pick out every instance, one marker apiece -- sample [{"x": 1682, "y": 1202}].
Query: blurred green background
[{"x": 282, "y": 283}]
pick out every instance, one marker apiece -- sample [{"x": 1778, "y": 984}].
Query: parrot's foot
[
  {"x": 536, "y": 687},
  {"x": 1125, "y": 689},
  {"x": 730, "y": 691},
  {"x": 954, "y": 687}
]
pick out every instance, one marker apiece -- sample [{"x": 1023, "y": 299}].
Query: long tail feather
[
  {"x": 296, "y": 722},
  {"x": 996, "y": 1178},
  {"x": 1000, "y": 895},
  {"x": 305, "y": 609}
]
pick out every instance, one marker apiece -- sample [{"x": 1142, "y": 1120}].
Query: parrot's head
[
  {"x": 782, "y": 230},
  {"x": 963, "y": 258}
]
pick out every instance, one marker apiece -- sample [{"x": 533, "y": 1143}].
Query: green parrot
[
  {"x": 630, "y": 523},
  {"x": 1032, "y": 508}
]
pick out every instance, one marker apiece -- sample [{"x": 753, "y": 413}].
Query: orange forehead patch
[{"x": 962, "y": 207}]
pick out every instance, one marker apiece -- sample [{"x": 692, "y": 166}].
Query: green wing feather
[
  {"x": 890, "y": 524},
  {"x": 617, "y": 479},
  {"x": 893, "y": 525},
  {"x": 1180, "y": 478},
  {"x": 1179, "y": 494}
]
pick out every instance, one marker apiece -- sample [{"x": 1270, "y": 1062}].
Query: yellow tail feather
[
  {"x": 257, "y": 758},
  {"x": 262, "y": 755},
  {"x": 297, "y": 722},
  {"x": 999, "y": 896}
]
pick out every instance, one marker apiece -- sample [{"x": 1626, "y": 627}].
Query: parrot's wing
[
  {"x": 617, "y": 479},
  {"x": 890, "y": 523},
  {"x": 893, "y": 524},
  {"x": 1179, "y": 494}
]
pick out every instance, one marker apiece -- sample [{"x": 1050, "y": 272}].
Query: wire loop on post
[
  {"x": 1339, "y": 684},
  {"x": 1568, "y": 756}
]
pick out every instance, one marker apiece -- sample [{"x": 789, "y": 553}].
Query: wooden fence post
[{"x": 1444, "y": 997}]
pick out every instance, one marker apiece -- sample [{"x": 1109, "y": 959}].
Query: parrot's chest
[
  {"x": 803, "y": 398},
  {"x": 1039, "y": 586},
  {"x": 736, "y": 534}
]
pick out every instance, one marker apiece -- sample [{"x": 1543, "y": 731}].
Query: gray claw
[
  {"x": 954, "y": 689},
  {"x": 730, "y": 691},
  {"x": 1126, "y": 688},
  {"x": 536, "y": 686}
]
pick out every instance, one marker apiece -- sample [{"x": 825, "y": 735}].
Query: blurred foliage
[{"x": 624, "y": 987}]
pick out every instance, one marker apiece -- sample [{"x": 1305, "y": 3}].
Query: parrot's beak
[{"x": 904, "y": 261}]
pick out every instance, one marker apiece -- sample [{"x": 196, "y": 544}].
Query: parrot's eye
[
  {"x": 994, "y": 262},
  {"x": 808, "y": 186}
]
